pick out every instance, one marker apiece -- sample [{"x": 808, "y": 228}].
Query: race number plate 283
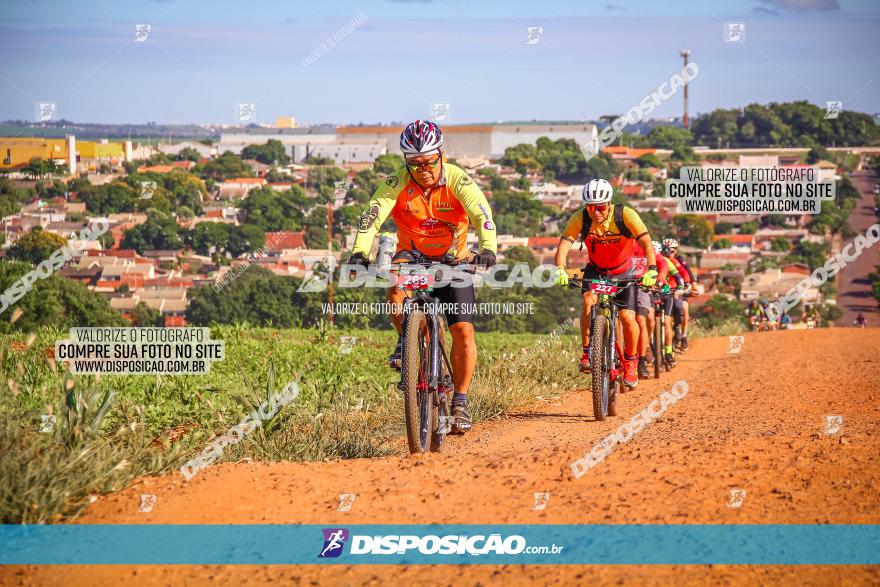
[{"x": 600, "y": 287}]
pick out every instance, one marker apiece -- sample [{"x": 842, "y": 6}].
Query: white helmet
[
  {"x": 670, "y": 242},
  {"x": 598, "y": 191},
  {"x": 657, "y": 246}
]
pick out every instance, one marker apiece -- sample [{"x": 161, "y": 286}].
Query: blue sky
[{"x": 594, "y": 58}]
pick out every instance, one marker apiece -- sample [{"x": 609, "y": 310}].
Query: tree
[
  {"x": 37, "y": 168},
  {"x": 226, "y": 166},
  {"x": 718, "y": 310},
  {"x": 246, "y": 238},
  {"x": 518, "y": 214},
  {"x": 649, "y": 160},
  {"x": 750, "y": 227},
  {"x": 210, "y": 238},
  {"x": 143, "y": 315},
  {"x": 694, "y": 231},
  {"x": 12, "y": 197},
  {"x": 388, "y": 163},
  {"x": 188, "y": 154},
  {"x": 724, "y": 243},
  {"x": 657, "y": 227},
  {"x": 273, "y": 211},
  {"x": 272, "y": 153},
  {"x": 36, "y": 246},
  {"x": 112, "y": 198},
  {"x": 781, "y": 244},
  {"x": 160, "y": 231},
  {"x": 55, "y": 301},
  {"x": 817, "y": 154},
  {"x": 669, "y": 137},
  {"x": 520, "y": 254}
]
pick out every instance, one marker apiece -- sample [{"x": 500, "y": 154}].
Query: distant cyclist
[
  {"x": 670, "y": 250},
  {"x": 861, "y": 321},
  {"x": 433, "y": 203},
  {"x": 811, "y": 315},
  {"x": 610, "y": 232}
]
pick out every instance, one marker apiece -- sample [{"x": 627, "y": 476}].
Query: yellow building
[
  {"x": 17, "y": 152},
  {"x": 285, "y": 122}
]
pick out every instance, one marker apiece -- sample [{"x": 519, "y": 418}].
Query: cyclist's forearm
[
  {"x": 562, "y": 252},
  {"x": 645, "y": 242}
]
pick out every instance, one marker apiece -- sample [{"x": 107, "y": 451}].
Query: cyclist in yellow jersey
[
  {"x": 610, "y": 235},
  {"x": 433, "y": 203}
]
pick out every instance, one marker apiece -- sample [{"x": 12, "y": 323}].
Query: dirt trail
[{"x": 753, "y": 420}]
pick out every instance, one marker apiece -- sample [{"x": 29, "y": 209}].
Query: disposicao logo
[{"x": 334, "y": 541}]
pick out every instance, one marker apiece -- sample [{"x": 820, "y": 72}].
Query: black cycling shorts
[
  {"x": 643, "y": 302},
  {"x": 668, "y": 304},
  {"x": 626, "y": 299},
  {"x": 461, "y": 299},
  {"x": 678, "y": 309}
]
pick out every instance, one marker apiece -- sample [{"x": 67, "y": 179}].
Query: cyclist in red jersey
[{"x": 690, "y": 281}]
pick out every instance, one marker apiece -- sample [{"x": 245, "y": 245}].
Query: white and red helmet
[
  {"x": 670, "y": 243},
  {"x": 598, "y": 191},
  {"x": 421, "y": 137}
]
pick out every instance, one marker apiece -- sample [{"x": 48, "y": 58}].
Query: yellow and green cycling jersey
[{"x": 433, "y": 223}]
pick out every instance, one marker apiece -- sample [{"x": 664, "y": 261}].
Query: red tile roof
[
  {"x": 277, "y": 241},
  {"x": 736, "y": 238},
  {"x": 543, "y": 241}
]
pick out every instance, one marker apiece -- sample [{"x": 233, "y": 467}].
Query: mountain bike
[
  {"x": 426, "y": 372},
  {"x": 606, "y": 354},
  {"x": 658, "y": 340}
]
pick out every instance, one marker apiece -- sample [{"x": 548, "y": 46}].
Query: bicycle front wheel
[
  {"x": 599, "y": 347},
  {"x": 417, "y": 401}
]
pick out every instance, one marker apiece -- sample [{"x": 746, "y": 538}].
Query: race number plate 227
[{"x": 601, "y": 287}]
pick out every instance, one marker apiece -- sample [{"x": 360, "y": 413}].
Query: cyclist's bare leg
[
  {"x": 630, "y": 332},
  {"x": 463, "y": 356},
  {"x": 589, "y": 300},
  {"x": 396, "y": 297},
  {"x": 684, "y": 317},
  {"x": 668, "y": 330},
  {"x": 643, "y": 334}
]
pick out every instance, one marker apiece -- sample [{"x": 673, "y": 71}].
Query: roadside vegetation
[{"x": 109, "y": 431}]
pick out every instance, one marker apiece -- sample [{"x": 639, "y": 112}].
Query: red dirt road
[
  {"x": 854, "y": 288},
  {"x": 753, "y": 420}
]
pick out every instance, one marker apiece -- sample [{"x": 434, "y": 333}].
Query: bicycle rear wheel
[
  {"x": 658, "y": 343},
  {"x": 442, "y": 417},
  {"x": 599, "y": 338},
  {"x": 418, "y": 403}
]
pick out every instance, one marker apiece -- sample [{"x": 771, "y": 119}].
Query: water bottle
[{"x": 387, "y": 245}]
